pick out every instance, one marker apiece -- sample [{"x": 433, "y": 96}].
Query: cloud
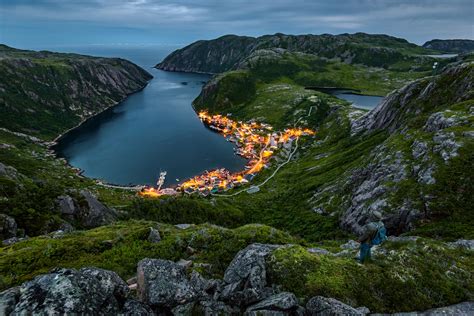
[{"x": 417, "y": 20}]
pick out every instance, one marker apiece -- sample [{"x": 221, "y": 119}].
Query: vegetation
[
  {"x": 119, "y": 247},
  {"x": 406, "y": 276}
]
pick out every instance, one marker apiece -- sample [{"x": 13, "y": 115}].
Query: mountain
[
  {"x": 226, "y": 52},
  {"x": 45, "y": 94},
  {"x": 451, "y": 46}
]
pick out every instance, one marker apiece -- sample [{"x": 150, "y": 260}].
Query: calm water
[
  {"x": 367, "y": 102},
  {"x": 153, "y": 130}
]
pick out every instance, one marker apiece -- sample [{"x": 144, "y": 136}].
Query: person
[{"x": 374, "y": 233}]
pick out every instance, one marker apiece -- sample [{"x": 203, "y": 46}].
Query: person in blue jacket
[{"x": 374, "y": 233}]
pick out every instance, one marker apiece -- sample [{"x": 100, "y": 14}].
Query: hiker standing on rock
[{"x": 374, "y": 234}]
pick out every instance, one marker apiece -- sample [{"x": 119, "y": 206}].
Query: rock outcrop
[
  {"x": 85, "y": 210},
  {"x": 323, "y": 306},
  {"x": 67, "y": 291}
]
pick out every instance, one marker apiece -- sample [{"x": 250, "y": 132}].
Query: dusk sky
[{"x": 49, "y": 23}]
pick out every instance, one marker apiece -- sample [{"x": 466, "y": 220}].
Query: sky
[{"x": 49, "y": 23}]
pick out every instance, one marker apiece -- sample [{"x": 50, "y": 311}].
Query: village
[{"x": 256, "y": 142}]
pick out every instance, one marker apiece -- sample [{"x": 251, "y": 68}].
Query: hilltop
[
  {"x": 227, "y": 52},
  {"x": 451, "y": 45}
]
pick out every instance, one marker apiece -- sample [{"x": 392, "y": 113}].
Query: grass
[{"x": 119, "y": 247}]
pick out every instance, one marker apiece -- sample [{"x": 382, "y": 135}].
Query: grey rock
[
  {"x": 136, "y": 308},
  {"x": 403, "y": 238},
  {"x": 183, "y": 226},
  {"x": 419, "y": 149},
  {"x": 438, "y": 121},
  {"x": 68, "y": 291},
  {"x": 463, "y": 243},
  {"x": 351, "y": 245},
  {"x": 8, "y": 300},
  {"x": 8, "y": 227},
  {"x": 364, "y": 310},
  {"x": 445, "y": 145},
  {"x": 284, "y": 301},
  {"x": 184, "y": 309},
  {"x": 12, "y": 240},
  {"x": 323, "y": 306},
  {"x": 8, "y": 172},
  {"x": 213, "y": 308},
  {"x": 186, "y": 264},
  {"x": 154, "y": 235},
  {"x": 246, "y": 275},
  {"x": 461, "y": 309},
  {"x": 319, "y": 251},
  {"x": 163, "y": 283},
  {"x": 96, "y": 214},
  {"x": 66, "y": 205}
]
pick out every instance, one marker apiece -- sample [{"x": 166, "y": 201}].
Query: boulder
[
  {"x": 463, "y": 243},
  {"x": 154, "y": 235},
  {"x": 136, "y": 308},
  {"x": 461, "y": 309},
  {"x": 8, "y": 227},
  {"x": 69, "y": 291},
  {"x": 319, "y": 251},
  {"x": 282, "y": 302},
  {"x": 211, "y": 308},
  {"x": 183, "y": 226},
  {"x": 246, "y": 276},
  {"x": 163, "y": 283},
  {"x": 67, "y": 206},
  {"x": 95, "y": 214},
  {"x": 324, "y": 306},
  {"x": 8, "y": 300}
]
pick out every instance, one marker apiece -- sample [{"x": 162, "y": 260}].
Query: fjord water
[
  {"x": 153, "y": 130},
  {"x": 367, "y": 102}
]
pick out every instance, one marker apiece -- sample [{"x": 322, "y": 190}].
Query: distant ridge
[
  {"x": 226, "y": 52},
  {"x": 451, "y": 45}
]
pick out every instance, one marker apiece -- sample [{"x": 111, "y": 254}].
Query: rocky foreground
[{"x": 164, "y": 287}]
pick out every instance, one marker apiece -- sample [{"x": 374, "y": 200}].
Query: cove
[{"x": 153, "y": 130}]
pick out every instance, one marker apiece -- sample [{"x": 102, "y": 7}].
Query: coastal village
[{"x": 256, "y": 142}]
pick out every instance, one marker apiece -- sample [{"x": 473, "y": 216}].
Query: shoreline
[{"x": 55, "y": 141}]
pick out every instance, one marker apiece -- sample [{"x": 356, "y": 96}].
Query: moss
[
  {"x": 119, "y": 247},
  {"x": 410, "y": 276}
]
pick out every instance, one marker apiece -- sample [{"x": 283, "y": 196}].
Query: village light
[{"x": 248, "y": 137}]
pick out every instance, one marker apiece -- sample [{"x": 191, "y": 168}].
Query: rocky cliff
[
  {"x": 226, "y": 52},
  {"x": 451, "y": 46},
  {"x": 45, "y": 93}
]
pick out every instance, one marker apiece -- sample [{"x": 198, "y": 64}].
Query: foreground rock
[
  {"x": 245, "y": 277},
  {"x": 163, "y": 283},
  {"x": 67, "y": 291},
  {"x": 8, "y": 227},
  {"x": 323, "y": 306},
  {"x": 164, "y": 288}
]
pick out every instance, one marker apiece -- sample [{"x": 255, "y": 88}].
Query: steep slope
[
  {"x": 395, "y": 159},
  {"x": 451, "y": 46},
  {"x": 45, "y": 93},
  {"x": 226, "y": 52}
]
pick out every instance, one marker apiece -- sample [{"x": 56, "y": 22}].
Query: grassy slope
[
  {"x": 45, "y": 93},
  {"x": 428, "y": 272}
]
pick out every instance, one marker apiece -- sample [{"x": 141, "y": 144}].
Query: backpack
[{"x": 380, "y": 236}]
